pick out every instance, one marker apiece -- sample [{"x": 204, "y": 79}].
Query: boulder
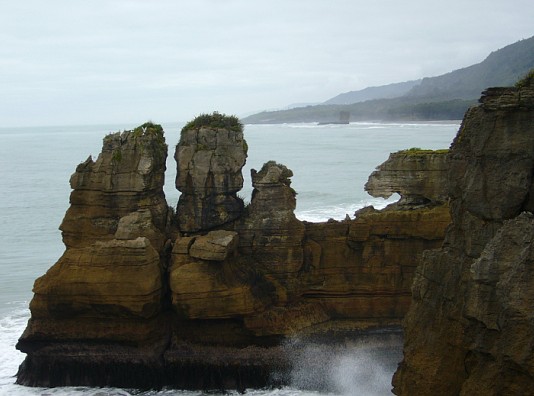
[{"x": 215, "y": 246}]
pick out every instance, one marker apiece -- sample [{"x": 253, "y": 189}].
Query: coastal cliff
[
  {"x": 204, "y": 297},
  {"x": 469, "y": 330}
]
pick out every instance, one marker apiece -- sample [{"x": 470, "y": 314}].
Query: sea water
[{"x": 331, "y": 164}]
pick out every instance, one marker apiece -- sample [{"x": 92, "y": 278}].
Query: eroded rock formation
[
  {"x": 204, "y": 299},
  {"x": 209, "y": 161},
  {"x": 470, "y": 327},
  {"x": 101, "y": 303},
  {"x": 127, "y": 177},
  {"x": 418, "y": 176}
]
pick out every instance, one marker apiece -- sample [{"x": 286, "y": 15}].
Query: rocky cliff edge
[{"x": 469, "y": 330}]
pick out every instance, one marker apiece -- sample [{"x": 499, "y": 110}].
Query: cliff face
[
  {"x": 203, "y": 299},
  {"x": 473, "y": 297}
]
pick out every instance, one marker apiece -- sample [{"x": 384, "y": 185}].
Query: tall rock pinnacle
[{"x": 210, "y": 156}]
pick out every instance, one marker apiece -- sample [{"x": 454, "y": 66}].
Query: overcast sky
[{"x": 114, "y": 61}]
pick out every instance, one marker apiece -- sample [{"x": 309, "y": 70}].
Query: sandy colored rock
[
  {"x": 364, "y": 268},
  {"x": 215, "y": 246},
  {"x": 107, "y": 286},
  {"x": 204, "y": 290},
  {"x": 144, "y": 297},
  {"x": 286, "y": 320}
]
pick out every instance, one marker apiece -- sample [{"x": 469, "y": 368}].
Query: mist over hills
[
  {"x": 444, "y": 97},
  {"x": 382, "y": 92}
]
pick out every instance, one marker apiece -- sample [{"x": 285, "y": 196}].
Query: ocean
[{"x": 331, "y": 164}]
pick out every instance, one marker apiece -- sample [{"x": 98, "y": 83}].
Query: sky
[{"x": 81, "y": 62}]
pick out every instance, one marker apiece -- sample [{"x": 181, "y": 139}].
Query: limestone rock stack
[
  {"x": 209, "y": 160},
  {"x": 127, "y": 177},
  {"x": 270, "y": 232},
  {"x": 470, "y": 328},
  {"x": 107, "y": 287}
]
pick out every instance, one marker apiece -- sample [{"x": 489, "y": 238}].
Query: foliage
[
  {"x": 149, "y": 129},
  {"x": 116, "y": 156},
  {"x": 419, "y": 151},
  {"x": 215, "y": 120},
  {"x": 527, "y": 81},
  {"x": 398, "y": 109},
  {"x": 442, "y": 110}
]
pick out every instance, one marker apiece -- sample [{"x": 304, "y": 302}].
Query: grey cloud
[{"x": 65, "y": 61}]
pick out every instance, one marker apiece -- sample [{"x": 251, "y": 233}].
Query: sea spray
[{"x": 352, "y": 365}]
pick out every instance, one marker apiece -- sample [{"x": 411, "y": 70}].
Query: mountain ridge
[{"x": 442, "y": 97}]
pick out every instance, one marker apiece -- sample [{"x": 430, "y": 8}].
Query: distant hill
[
  {"x": 382, "y": 92},
  {"x": 501, "y": 68},
  {"x": 434, "y": 98}
]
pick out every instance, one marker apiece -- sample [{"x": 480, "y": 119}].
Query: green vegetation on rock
[
  {"x": 148, "y": 129},
  {"x": 419, "y": 151},
  {"x": 526, "y": 81},
  {"x": 148, "y": 136},
  {"x": 215, "y": 120}
]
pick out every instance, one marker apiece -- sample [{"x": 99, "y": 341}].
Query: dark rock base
[
  {"x": 303, "y": 362},
  {"x": 186, "y": 367}
]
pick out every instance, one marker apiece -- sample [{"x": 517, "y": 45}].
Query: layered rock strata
[
  {"x": 127, "y": 177},
  {"x": 206, "y": 298},
  {"x": 418, "y": 176},
  {"x": 473, "y": 297},
  {"x": 270, "y": 233},
  {"x": 100, "y": 305},
  {"x": 209, "y": 162}
]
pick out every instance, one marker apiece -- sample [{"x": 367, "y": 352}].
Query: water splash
[{"x": 363, "y": 367}]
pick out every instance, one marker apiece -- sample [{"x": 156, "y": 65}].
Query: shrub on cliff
[
  {"x": 526, "y": 81},
  {"x": 215, "y": 120},
  {"x": 149, "y": 128}
]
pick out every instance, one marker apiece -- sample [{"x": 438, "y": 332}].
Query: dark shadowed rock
[{"x": 473, "y": 298}]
